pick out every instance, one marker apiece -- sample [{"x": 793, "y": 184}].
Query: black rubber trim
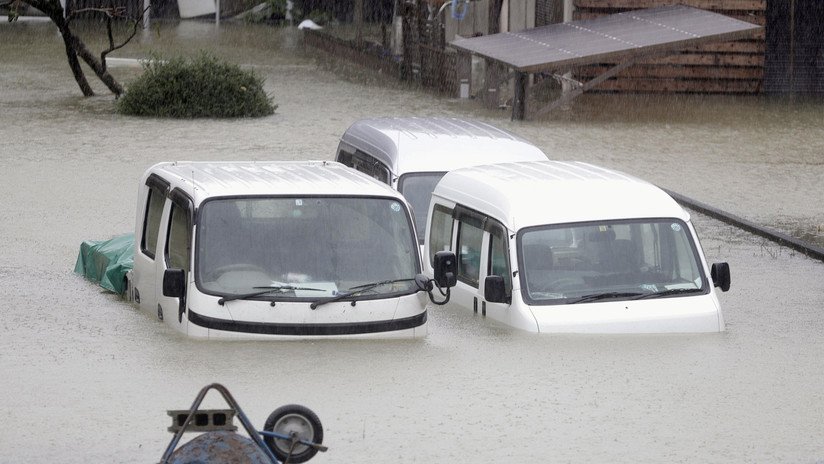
[
  {"x": 470, "y": 216},
  {"x": 158, "y": 182},
  {"x": 267, "y": 328},
  {"x": 177, "y": 195}
]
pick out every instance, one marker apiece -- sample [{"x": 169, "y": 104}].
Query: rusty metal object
[
  {"x": 293, "y": 426},
  {"x": 220, "y": 447},
  {"x": 203, "y": 440}
]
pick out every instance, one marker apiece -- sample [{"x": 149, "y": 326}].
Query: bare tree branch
[
  {"x": 111, "y": 12},
  {"x": 76, "y": 48},
  {"x": 136, "y": 25}
]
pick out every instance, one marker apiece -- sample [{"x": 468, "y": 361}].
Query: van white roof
[
  {"x": 552, "y": 192},
  {"x": 437, "y": 144},
  {"x": 207, "y": 179}
]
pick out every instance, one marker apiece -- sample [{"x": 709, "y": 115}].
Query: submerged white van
[
  {"x": 412, "y": 154},
  {"x": 276, "y": 250},
  {"x": 571, "y": 247}
]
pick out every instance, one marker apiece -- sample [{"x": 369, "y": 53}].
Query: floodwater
[{"x": 87, "y": 378}]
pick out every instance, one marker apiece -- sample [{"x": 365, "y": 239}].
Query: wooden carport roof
[{"x": 622, "y": 37}]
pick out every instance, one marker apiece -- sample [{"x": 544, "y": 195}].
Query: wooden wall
[
  {"x": 724, "y": 67},
  {"x": 795, "y": 47}
]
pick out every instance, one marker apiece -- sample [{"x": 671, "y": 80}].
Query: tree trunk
[
  {"x": 97, "y": 66},
  {"x": 76, "y": 48},
  {"x": 74, "y": 64},
  {"x": 55, "y": 12},
  {"x": 357, "y": 18}
]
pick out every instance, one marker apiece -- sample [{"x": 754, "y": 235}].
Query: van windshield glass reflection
[
  {"x": 607, "y": 261},
  {"x": 417, "y": 189},
  {"x": 306, "y": 248}
]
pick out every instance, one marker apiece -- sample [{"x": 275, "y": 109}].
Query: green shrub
[{"x": 201, "y": 87}]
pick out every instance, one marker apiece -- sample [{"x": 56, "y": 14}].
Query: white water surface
[{"x": 87, "y": 378}]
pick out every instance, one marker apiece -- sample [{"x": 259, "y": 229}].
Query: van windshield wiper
[
  {"x": 357, "y": 290},
  {"x": 672, "y": 291},
  {"x": 606, "y": 295},
  {"x": 268, "y": 289}
]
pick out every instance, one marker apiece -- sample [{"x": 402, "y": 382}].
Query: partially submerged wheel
[{"x": 297, "y": 421}]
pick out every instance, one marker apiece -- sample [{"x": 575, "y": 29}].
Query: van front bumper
[{"x": 307, "y": 330}]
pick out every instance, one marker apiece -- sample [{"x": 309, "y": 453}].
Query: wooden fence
[{"x": 367, "y": 55}]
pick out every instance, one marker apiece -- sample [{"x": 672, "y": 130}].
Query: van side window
[
  {"x": 344, "y": 157},
  {"x": 151, "y": 223},
  {"x": 499, "y": 257},
  {"x": 440, "y": 232},
  {"x": 469, "y": 253},
  {"x": 178, "y": 246},
  {"x": 366, "y": 164}
]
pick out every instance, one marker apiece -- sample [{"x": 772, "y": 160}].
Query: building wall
[
  {"x": 737, "y": 67},
  {"x": 516, "y": 15},
  {"x": 475, "y": 21},
  {"x": 795, "y": 47},
  {"x": 728, "y": 67}
]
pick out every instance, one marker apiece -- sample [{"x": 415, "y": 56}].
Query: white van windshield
[
  {"x": 304, "y": 247},
  {"x": 586, "y": 262},
  {"x": 417, "y": 188}
]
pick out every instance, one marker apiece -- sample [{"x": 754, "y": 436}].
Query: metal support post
[
  {"x": 569, "y": 7},
  {"x": 519, "y": 101},
  {"x": 464, "y": 71}
]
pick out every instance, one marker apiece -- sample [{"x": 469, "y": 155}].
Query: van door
[
  {"x": 459, "y": 229},
  {"x": 496, "y": 254},
  {"x": 147, "y": 232},
  {"x": 483, "y": 250},
  {"x": 481, "y": 245},
  {"x": 177, "y": 254},
  {"x": 468, "y": 246}
]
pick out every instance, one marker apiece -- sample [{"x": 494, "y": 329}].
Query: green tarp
[{"x": 107, "y": 261}]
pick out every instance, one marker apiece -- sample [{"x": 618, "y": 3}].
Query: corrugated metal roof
[{"x": 608, "y": 38}]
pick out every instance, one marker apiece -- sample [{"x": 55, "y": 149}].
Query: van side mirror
[
  {"x": 495, "y": 289},
  {"x": 446, "y": 267},
  {"x": 174, "y": 283},
  {"x": 720, "y": 274}
]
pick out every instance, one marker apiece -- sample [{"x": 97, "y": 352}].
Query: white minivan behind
[
  {"x": 570, "y": 247},
  {"x": 412, "y": 154}
]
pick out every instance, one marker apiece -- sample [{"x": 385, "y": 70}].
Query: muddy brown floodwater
[{"x": 88, "y": 378}]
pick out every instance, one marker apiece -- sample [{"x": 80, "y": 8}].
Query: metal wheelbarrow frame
[{"x": 274, "y": 444}]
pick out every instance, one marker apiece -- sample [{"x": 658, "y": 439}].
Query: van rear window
[{"x": 417, "y": 188}]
